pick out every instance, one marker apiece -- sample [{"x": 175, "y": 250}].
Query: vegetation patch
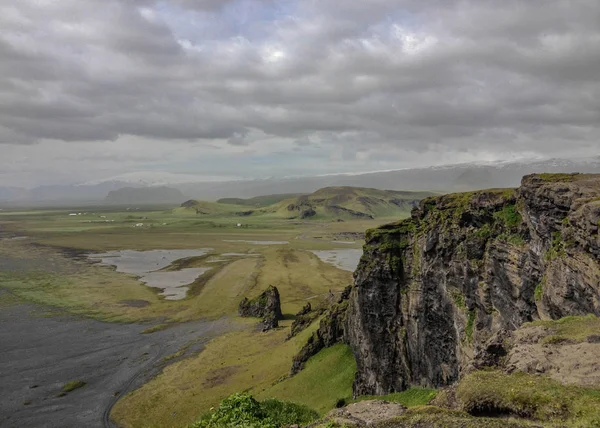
[
  {"x": 470, "y": 325},
  {"x": 412, "y": 397},
  {"x": 457, "y": 297},
  {"x": 558, "y": 177},
  {"x": 509, "y": 216},
  {"x": 155, "y": 328},
  {"x": 493, "y": 393},
  {"x": 539, "y": 291},
  {"x": 326, "y": 379},
  {"x": 242, "y": 410},
  {"x": 73, "y": 385},
  {"x": 571, "y": 329},
  {"x": 435, "y": 417},
  {"x": 513, "y": 239},
  {"x": 557, "y": 249}
]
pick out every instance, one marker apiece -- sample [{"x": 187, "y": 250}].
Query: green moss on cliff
[
  {"x": 557, "y": 177},
  {"x": 557, "y": 249},
  {"x": 509, "y": 216},
  {"x": 470, "y": 325},
  {"x": 539, "y": 291}
]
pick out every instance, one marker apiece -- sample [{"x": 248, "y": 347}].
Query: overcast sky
[{"x": 252, "y": 88}]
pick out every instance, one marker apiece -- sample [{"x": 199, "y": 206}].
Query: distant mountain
[
  {"x": 449, "y": 178},
  {"x": 144, "y": 195},
  {"x": 12, "y": 193}
]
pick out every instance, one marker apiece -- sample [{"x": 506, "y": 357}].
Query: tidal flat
[{"x": 147, "y": 266}]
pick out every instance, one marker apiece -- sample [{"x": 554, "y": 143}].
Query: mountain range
[{"x": 449, "y": 178}]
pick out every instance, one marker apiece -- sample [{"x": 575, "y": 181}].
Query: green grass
[
  {"x": 557, "y": 177},
  {"x": 327, "y": 377},
  {"x": 259, "y": 201},
  {"x": 529, "y": 396},
  {"x": 73, "y": 385},
  {"x": 509, "y": 215},
  {"x": 241, "y": 360},
  {"x": 470, "y": 325},
  {"x": 242, "y": 410},
  {"x": 457, "y": 297},
  {"x": 539, "y": 291},
  {"x": 574, "y": 329},
  {"x": 435, "y": 417},
  {"x": 155, "y": 328},
  {"x": 412, "y": 397}
]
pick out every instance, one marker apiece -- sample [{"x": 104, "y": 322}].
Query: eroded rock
[{"x": 267, "y": 306}]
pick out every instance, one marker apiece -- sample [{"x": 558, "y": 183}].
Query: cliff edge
[{"x": 436, "y": 295}]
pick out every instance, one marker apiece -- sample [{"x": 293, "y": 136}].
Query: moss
[
  {"x": 539, "y": 292},
  {"x": 523, "y": 395},
  {"x": 557, "y": 177},
  {"x": 155, "y": 328},
  {"x": 484, "y": 232},
  {"x": 572, "y": 329},
  {"x": 457, "y": 298},
  {"x": 412, "y": 397},
  {"x": 429, "y": 204},
  {"x": 73, "y": 385},
  {"x": 435, "y": 417},
  {"x": 513, "y": 239},
  {"x": 509, "y": 216},
  {"x": 557, "y": 248},
  {"x": 470, "y": 325}
]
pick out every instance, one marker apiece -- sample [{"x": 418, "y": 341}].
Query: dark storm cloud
[{"x": 508, "y": 76}]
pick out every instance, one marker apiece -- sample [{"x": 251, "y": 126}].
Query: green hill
[
  {"x": 329, "y": 203},
  {"x": 259, "y": 201},
  {"x": 350, "y": 203}
]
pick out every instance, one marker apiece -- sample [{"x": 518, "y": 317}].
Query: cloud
[{"x": 388, "y": 79}]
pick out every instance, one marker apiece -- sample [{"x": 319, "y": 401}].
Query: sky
[{"x": 224, "y": 89}]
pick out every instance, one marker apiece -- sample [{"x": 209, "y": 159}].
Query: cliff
[{"x": 435, "y": 295}]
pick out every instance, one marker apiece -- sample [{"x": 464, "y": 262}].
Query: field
[{"x": 44, "y": 259}]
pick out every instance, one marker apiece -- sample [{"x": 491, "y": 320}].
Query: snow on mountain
[{"x": 156, "y": 178}]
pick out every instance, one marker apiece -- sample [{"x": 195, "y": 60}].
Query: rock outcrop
[
  {"x": 266, "y": 306},
  {"x": 330, "y": 331},
  {"x": 435, "y": 295},
  {"x": 364, "y": 413}
]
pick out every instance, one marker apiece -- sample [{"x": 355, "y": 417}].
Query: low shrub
[{"x": 243, "y": 411}]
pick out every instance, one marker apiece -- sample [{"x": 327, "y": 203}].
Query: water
[
  {"x": 343, "y": 258},
  {"x": 146, "y": 265}
]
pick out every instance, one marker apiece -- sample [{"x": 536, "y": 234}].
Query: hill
[
  {"x": 351, "y": 203},
  {"x": 259, "y": 201},
  {"x": 144, "y": 195},
  {"x": 329, "y": 203}
]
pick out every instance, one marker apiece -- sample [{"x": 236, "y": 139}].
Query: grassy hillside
[
  {"x": 260, "y": 201},
  {"x": 329, "y": 203},
  {"x": 351, "y": 203}
]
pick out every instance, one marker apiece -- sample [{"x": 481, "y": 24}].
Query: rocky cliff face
[{"x": 435, "y": 294}]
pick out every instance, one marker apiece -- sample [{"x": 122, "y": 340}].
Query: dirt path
[{"x": 39, "y": 354}]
